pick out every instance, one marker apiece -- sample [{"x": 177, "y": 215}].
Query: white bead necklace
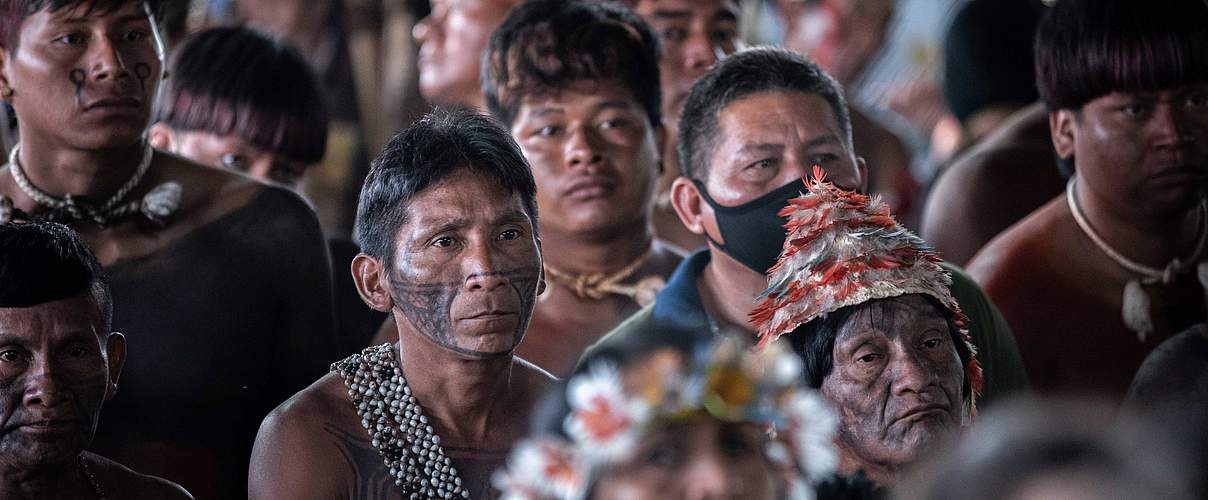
[{"x": 397, "y": 426}]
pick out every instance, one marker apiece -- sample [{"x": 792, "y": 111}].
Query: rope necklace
[
  {"x": 397, "y": 426},
  {"x": 156, "y": 206},
  {"x": 1136, "y": 300},
  {"x": 596, "y": 286}
]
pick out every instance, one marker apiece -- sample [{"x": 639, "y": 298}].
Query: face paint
[
  {"x": 143, "y": 71},
  {"x": 429, "y": 307},
  {"x": 78, "y": 78}
]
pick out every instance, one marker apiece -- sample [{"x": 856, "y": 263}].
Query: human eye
[
  {"x": 614, "y": 123},
  {"x": 823, "y": 158},
  {"x": 1197, "y": 99},
  {"x": 764, "y": 163},
  {"x": 547, "y": 130},
  {"x": 660, "y": 455},
  {"x": 868, "y": 358},
  {"x": 673, "y": 33},
  {"x": 233, "y": 161},
  {"x": 135, "y": 35},
  {"x": 12, "y": 355},
  {"x": 73, "y": 38},
  {"x": 1134, "y": 109},
  {"x": 444, "y": 242},
  {"x": 510, "y": 234},
  {"x": 77, "y": 351}
]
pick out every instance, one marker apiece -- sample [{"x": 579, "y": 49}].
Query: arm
[
  {"x": 295, "y": 458},
  {"x": 995, "y": 341},
  {"x": 306, "y": 339}
]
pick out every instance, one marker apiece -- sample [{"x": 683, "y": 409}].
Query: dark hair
[
  {"x": 240, "y": 81},
  {"x": 760, "y": 69},
  {"x": 815, "y": 341},
  {"x": 44, "y": 262},
  {"x": 13, "y": 12},
  {"x": 1086, "y": 49},
  {"x": 544, "y": 45},
  {"x": 430, "y": 150},
  {"x": 988, "y": 57}
]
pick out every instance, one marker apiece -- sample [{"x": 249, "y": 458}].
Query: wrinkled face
[
  {"x": 896, "y": 382},
  {"x": 694, "y": 34},
  {"x": 1144, "y": 151},
  {"x": 85, "y": 79},
  {"x": 842, "y": 36},
  {"x": 232, "y": 152},
  {"x": 594, "y": 155},
  {"x": 770, "y": 139},
  {"x": 694, "y": 458},
  {"x": 54, "y": 375},
  {"x": 466, "y": 266},
  {"x": 451, "y": 41}
]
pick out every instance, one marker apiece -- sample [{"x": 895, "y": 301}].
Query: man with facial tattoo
[
  {"x": 753, "y": 127},
  {"x": 59, "y": 363},
  {"x": 447, "y": 224},
  {"x": 208, "y": 267}
]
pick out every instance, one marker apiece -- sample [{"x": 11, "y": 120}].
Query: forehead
[
  {"x": 779, "y": 113},
  {"x": 684, "y": 9},
  {"x": 59, "y": 320},
  {"x": 94, "y": 10},
  {"x": 894, "y": 318},
  {"x": 465, "y": 196}
]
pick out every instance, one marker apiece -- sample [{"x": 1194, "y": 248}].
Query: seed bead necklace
[
  {"x": 397, "y": 426},
  {"x": 92, "y": 481}
]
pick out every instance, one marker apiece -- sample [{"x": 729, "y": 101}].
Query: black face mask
[{"x": 754, "y": 232}]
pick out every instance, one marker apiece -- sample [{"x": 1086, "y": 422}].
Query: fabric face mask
[{"x": 754, "y": 231}]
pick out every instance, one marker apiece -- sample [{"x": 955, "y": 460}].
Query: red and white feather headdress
[{"x": 845, "y": 248}]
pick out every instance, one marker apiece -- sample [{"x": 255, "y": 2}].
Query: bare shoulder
[
  {"x": 1020, "y": 254},
  {"x": 118, "y": 481},
  {"x": 298, "y": 450}
]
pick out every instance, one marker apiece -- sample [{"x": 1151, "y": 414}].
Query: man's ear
[
  {"x": 160, "y": 136},
  {"x": 4, "y": 65},
  {"x": 115, "y": 348},
  {"x": 1061, "y": 128},
  {"x": 372, "y": 284},
  {"x": 689, "y": 206},
  {"x": 862, "y": 171}
]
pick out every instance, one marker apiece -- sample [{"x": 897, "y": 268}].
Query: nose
[
  {"x": 708, "y": 476},
  {"x": 479, "y": 268},
  {"x": 909, "y": 373},
  {"x": 699, "y": 51},
  {"x": 581, "y": 150},
  {"x": 1173, "y": 125},
  {"x": 106, "y": 60},
  {"x": 43, "y": 388}
]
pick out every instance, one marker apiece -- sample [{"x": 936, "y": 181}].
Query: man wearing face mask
[{"x": 752, "y": 129}]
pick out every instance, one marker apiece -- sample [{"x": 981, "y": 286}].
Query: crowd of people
[{"x": 619, "y": 253}]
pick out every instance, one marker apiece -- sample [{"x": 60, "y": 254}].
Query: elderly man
[
  {"x": 587, "y": 117},
  {"x": 208, "y": 267},
  {"x": 451, "y": 40},
  {"x": 448, "y": 227},
  {"x": 59, "y": 363},
  {"x": 1099, "y": 276},
  {"x": 753, "y": 127},
  {"x": 867, "y": 306}
]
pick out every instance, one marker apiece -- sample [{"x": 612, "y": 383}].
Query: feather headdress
[{"x": 845, "y": 248}]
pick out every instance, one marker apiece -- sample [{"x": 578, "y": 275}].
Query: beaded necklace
[{"x": 397, "y": 426}]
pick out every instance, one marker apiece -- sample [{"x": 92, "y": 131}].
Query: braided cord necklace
[
  {"x": 596, "y": 286},
  {"x": 397, "y": 426},
  {"x": 1136, "y": 302}
]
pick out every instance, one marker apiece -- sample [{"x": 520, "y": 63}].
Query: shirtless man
[
  {"x": 1096, "y": 278},
  {"x": 694, "y": 35},
  {"x": 447, "y": 225},
  {"x": 451, "y": 40},
  {"x": 207, "y": 267},
  {"x": 59, "y": 363},
  {"x": 590, "y": 127}
]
